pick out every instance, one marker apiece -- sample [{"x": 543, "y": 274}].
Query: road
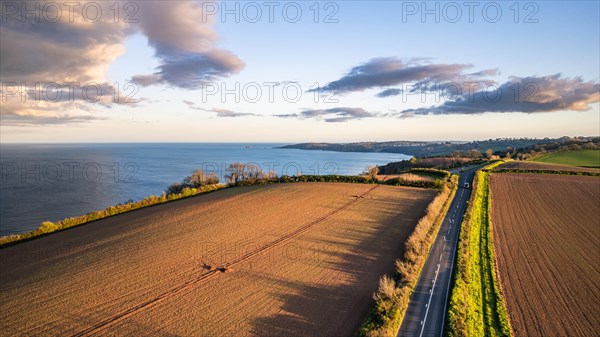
[{"x": 425, "y": 315}]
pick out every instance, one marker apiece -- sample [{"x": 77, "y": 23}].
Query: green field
[{"x": 587, "y": 158}]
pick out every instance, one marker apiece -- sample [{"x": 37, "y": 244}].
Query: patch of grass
[
  {"x": 585, "y": 158},
  {"x": 476, "y": 304}
]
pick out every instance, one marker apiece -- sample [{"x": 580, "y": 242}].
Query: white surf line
[{"x": 429, "y": 303}]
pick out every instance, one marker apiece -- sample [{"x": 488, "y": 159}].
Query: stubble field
[
  {"x": 275, "y": 260},
  {"x": 546, "y": 234}
]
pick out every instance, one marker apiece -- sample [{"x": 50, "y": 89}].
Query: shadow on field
[{"x": 337, "y": 304}]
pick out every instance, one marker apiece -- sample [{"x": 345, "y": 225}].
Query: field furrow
[
  {"x": 546, "y": 230},
  {"x": 239, "y": 261}
]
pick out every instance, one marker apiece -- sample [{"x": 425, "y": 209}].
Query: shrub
[{"x": 47, "y": 227}]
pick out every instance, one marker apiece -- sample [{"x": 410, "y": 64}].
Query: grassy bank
[
  {"x": 476, "y": 305},
  {"x": 393, "y": 295}
]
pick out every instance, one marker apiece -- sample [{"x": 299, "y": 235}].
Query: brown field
[
  {"x": 546, "y": 232},
  {"x": 276, "y": 260},
  {"x": 530, "y": 165}
]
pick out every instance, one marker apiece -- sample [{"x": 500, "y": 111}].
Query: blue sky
[{"x": 564, "y": 41}]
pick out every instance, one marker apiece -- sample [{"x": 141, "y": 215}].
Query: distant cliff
[{"x": 423, "y": 149}]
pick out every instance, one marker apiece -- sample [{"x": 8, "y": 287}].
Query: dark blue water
[{"x": 55, "y": 181}]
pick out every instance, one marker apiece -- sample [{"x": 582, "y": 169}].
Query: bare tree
[{"x": 372, "y": 172}]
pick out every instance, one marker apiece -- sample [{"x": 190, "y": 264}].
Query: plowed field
[
  {"x": 276, "y": 260},
  {"x": 546, "y": 235},
  {"x": 530, "y": 165}
]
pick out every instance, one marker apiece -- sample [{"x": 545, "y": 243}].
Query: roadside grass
[
  {"x": 476, "y": 305},
  {"x": 393, "y": 295},
  {"x": 584, "y": 158}
]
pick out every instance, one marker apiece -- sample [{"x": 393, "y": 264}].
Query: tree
[
  {"x": 372, "y": 172},
  {"x": 236, "y": 173},
  {"x": 474, "y": 154},
  {"x": 175, "y": 188},
  {"x": 508, "y": 156},
  {"x": 200, "y": 178},
  {"x": 489, "y": 153}
]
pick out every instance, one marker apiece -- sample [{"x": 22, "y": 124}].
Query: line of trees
[{"x": 562, "y": 144}]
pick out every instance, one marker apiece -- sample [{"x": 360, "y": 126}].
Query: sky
[{"x": 191, "y": 71}]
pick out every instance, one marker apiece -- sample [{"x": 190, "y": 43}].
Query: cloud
[
  {"x": 37, "y": 114},
  {"x": 230, "y": 113},
  {"x": 332, "y": 115},
  {"x": 535, "y": 95},
  {"x": 185, "y": 47},
  {"x": 218, "y": 111},
  {"x": 18, "y": 120},
  {"x": 386, "y": 72},
  {"x": 389, "y": 92},
  {"x": 73, "y": 49}
]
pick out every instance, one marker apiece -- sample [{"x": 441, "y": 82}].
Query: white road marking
[{"x": 428, "y": 303}]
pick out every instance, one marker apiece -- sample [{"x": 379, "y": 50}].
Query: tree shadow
[{"x": 362, "y": 256}]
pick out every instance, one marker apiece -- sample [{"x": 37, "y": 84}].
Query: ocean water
[{"x": 49, "y": 182}]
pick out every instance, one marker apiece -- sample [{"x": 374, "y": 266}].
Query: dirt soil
[
  {"x": 546, "y": 236},
  {"x": 276, "y": 260}
]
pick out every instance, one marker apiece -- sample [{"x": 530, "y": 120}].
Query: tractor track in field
[{"x": 99, "y": 327}]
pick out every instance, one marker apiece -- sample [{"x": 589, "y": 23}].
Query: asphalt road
[{"x": 425, "y": 316}]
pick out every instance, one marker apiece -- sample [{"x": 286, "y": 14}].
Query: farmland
[
  {"x": 588, "y": 158},
  {"x": 536, "y": 166},
  {"x": 546, "y": 242},
  {"x": 277, "y": 260}
]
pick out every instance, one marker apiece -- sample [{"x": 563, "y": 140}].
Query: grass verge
[
  {"x": 476, "y": 305},
  {"x": 393, "y": 295}
]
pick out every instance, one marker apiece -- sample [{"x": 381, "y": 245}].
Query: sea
[{"x": 50, "y": 182}]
